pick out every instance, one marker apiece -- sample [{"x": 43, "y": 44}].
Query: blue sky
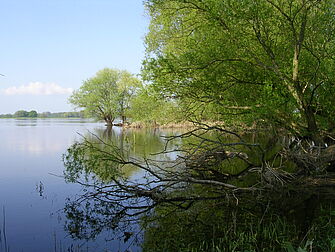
[{"x": 48, "y": 47}]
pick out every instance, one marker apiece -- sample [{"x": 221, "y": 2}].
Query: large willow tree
[
  {"x": 106, "y": 95},
  {"x": 269, "y": 61}
]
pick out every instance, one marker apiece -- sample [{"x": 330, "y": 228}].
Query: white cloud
[{"x": 37, "y": 88}]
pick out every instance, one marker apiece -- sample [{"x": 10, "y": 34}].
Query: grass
[{"x": 242, "y": 229}]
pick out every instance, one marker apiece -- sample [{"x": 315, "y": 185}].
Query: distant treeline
[{"x": 34, "y": 114}]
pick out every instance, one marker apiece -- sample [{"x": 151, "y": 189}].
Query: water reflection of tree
[
  {"x": 163, "y": 181},
  {"x": 254, "y": 223},
  {"x": 214, "y": 165},
  {"x": 91, "y": 156},
  {"x": 97, "y": 162}
]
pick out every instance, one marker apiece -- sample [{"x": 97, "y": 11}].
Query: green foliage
[
  {"x": 23, "y": 113},
  {"x": 106, "y": 95},
  {"x": 6, "y": 116},
  {"x": 321, "y": 235},
  {"x": 208, "y": 227},
  {"x": 62, "y": 115},
  {"x": 34, "y": 114},
  {"x": 249, "y": 226},
  {"x": 308, "y": 246},
  {"x": 149, "y": 108},
  {"x": 232, "y": 60}
]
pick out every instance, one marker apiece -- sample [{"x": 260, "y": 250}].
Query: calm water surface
[
  {"x": 32, "y": 191},
  {"x": 34, "y": 196}
]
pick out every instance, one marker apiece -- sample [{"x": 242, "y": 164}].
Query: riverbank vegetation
[
  {"x": 35, "y": 114},
  {"x": 264, "y": 65}
]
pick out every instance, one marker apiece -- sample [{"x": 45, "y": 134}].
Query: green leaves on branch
[
  {"x": 267, "y": 60},
  {"x": 149, "y": 108},
  {"x": 106, "y": 95}
]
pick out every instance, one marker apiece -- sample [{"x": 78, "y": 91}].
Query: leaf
[
  {"x": 288, "y": 246},
  {"x": 332, "y": 243}
]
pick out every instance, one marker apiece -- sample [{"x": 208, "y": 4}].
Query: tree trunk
[
  {"x": 298, "y": 93},
  {"x": 109, "y": 121},
  {"x": 312, "y": 127},
  {"x": 305, "y": 107},
  {"x": 123, "y": 117}
]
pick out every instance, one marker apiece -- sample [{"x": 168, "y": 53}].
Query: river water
[
  {"x": 41, "y": 210},
  {"x": 33, "y": 192}
]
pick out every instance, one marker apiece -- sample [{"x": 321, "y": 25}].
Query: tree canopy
[
  {"x": 106, "y": 95},
  {"x": 34, "y": 114},
  {"x": 268, "y": 61},
  {"x": 23, "y": 113}
]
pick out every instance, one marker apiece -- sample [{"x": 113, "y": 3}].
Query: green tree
[
  {"x": 127, "y": 88},
  {"x": 106, "y": 95},
  {"x": 45, "y": 114},
  {"x": 21, "y": 113},
  {"x": 32, "y": 113},
  {"x": 266, "y": 60},
  {"x": 149, "y": 108},
  {"x": 6, "y": 116}
]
